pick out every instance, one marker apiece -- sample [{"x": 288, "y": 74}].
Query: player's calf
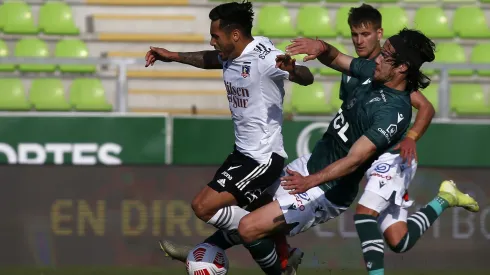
[
  {"x": 424, "y": 218},
  {"x": 372, "y": 243}
]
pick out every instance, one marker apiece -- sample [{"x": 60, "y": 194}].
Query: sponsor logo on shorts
[
  {"x": 221, "y": 182},
  {"x": 382, "y": 168},
  {"x": 253, "y": 194},
  {"x": 381, "y": 184},
  {"x": 228, "y": 176},
  {"x": 299, "y": 201},
  {"x": 386, "y": 177}
]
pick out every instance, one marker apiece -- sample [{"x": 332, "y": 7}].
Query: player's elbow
[{"x": 356, "y": 160}]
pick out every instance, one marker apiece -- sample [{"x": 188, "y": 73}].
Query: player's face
[
  {"x": 221, "y": 40},
  {"x": 365, "y": 39},
  {"x": 384, "y": 64}
]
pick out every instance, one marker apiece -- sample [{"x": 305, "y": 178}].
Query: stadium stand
[{"x": 126, "y": 29}]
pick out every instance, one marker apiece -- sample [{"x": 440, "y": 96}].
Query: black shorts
[{"x": 245, "y": 178}]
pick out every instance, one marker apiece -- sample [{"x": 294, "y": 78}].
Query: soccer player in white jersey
[{"x": 254, "y": 72}]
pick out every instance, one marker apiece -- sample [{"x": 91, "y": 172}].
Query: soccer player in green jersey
[
  {"x": 392, "y": 73},
  {"x": 393, "y": 171}
]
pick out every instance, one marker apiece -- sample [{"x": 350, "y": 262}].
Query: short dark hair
[
  {"x": 234, "y": 15},
  {"x": 364, "y": 15},
  {"x": 417, "y": 44}
]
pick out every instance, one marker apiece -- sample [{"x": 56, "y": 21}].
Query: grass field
[{"x": 173, "y": 271}]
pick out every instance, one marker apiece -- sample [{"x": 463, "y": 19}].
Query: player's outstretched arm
[
  {"x": 201, "y": 59},
  {"x": 297, "y": 74},
  {"x": 361, "y": 151},
  {"x": 408, "y": 146},
  {"x": 424, "y": 116},
  {"x": 327, "y": 54}
]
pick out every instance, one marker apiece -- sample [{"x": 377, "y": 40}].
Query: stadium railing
[{"x": 123, "y": 63}]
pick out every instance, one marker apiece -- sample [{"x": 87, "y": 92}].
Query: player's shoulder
[{"x": 263, "y": 51}]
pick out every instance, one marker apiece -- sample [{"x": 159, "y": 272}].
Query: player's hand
[
  {"x": 294, "y": 182},
  {"x": 311, "y": 47},
  {"x": 285, "y": 62},
  {"x": 155, "y": 54},
  {"x": 408, "y": 150}
]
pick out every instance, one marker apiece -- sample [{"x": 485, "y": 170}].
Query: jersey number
[{"x": 339, "y": 123}]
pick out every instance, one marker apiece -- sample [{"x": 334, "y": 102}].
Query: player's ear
[
  {"x": 379, "y": 33},
  {"x": 235, "y": 35},
  {"x": 402, "y": 68}
]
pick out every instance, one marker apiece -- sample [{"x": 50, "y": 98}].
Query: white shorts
[
  {"x": 386, "y": 189},
  {"x": 307, "y": 209}
]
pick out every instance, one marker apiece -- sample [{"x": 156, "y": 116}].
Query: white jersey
[{"x": 255, "y": 89}]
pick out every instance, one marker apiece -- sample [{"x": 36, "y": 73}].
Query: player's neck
[
  {"x": 397, "y": 84},
  {"x": 240, "y": 47}
]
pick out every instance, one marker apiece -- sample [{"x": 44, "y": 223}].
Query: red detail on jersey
[
  {"x": 219, "y": 260},
  {"x": 201, "y": 272},
  {"x": 199, "y": 254}
]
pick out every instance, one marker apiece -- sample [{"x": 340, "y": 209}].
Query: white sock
[{"x": 228, "y": 217}]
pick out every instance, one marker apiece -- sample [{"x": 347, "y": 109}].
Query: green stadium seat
[
  {"x": 303, "y": 1},
  {"x": 48, "y": 95},
  {"x": 335, "y": 102},
  {"x": 57, "y": 18},
  {"x": 394, "y": 20},
  {"x": 480, "y": 55},
  {"x": 18, "y": 18},
  {"x": 341, "y": 17},
  {"x": 432, "y": 94},
  {"x": 275, "y": 21},
  {"x": 314, "y": 21},
  {"x": 87, "y": 94},
  {"x": 33, "y": 47},
  {"x": 4, "y": 52},
  {"x": 12, "y": 95},
  {"x": 309, "y": 99},
  {"x": 3, "y": 17},
  {"x": 432, "y": 21},
  {"x": 381, "y": 1},
  {"x": 342, "y": 1},
  {"x": 73, "y": 48},
  {"x": 470, "y": 22},
  {"x": 460, "y": 1},
  {"x": 420, "y": 1},
  {"x": 452, "y": 53},
  {"x": 468, "y": 99},
  {"x": 329, "y": 71}
]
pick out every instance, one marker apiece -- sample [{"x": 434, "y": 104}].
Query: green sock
[
  {"x": 372, "y": 243},
  {"x": 263, "y": 251},
  {"x": 224, "y": 238},
  {"x": 419, "y": 222}
]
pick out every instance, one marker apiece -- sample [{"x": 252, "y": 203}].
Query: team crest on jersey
[{"x": 245, "y": 71}]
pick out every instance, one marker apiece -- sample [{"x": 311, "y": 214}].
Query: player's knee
[
  {"x": 247, "y": 230},
  {"x": 200, "y": 209}
]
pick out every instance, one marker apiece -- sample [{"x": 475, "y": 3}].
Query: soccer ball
[{"x": 207, "y": 259}]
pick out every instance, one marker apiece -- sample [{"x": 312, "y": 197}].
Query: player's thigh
[
  {"x": 208, "y": 201},
  {"x": 305, "y": 210},
  {"x": 261, "y": 222},
  {"x": 244, "y": 178},
  {"x": 393, "y": 224}
]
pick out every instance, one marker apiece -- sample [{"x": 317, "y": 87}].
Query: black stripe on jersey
[
  {"x": 263, "y": 47},
  {"x": 246, "y": 62}
]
